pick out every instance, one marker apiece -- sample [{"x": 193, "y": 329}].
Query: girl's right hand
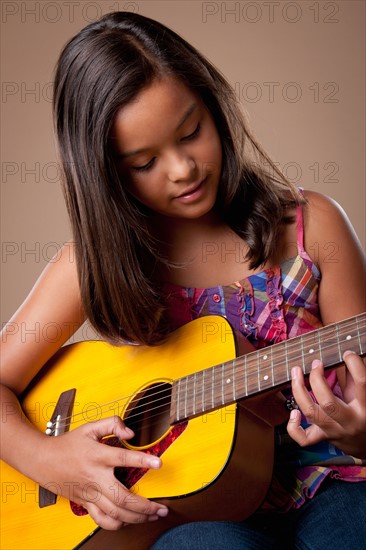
[{"x": 82, "y": 469}]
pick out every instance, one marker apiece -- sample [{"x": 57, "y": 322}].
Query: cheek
[
  {"x": 212, "y": 144},
  {"x": 135, "y": 184},
  {"x": 214, "y": 150},
  {"x": 145, "y": 189}
]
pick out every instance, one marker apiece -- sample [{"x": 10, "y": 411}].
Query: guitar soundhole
[{"x": 148, "y": 414}]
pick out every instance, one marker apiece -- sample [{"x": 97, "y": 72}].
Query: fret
[
  {"x": 329, "y": 345},
  {"x": 310, "y": 350},
  {"x": 239, "y": 378},
  {"x": 302, "y": 355},
  {"x": 213, "y": 387},
  {"x": 219, "y": 390},
  {"x": 246, "y": 375},
  {"x": 208, "y": 389},
  {"x": 362, "y": 347},
  {"x": 286, "y": 360},
  {"x": 293, "y": 355},
  {"x": 338, "y": 343},
  {"x": 185, "y": 397},
  {"x": 320, "y": 347},
  {"x": 234, "y": 382},
  {"x": 222, "y": 385},
  {"x": 252, "y": 368},
  {"x": 199, "y": 383},
  {"x": 228, "y": 382},
  {"x": 189, "y": 400},
  {"x": 252, "y": 364},
  {"x": 194, "y": 393},
  {"x": 279, "y": 369},
  {"x": 349, "y": 338},
  {"x": 272, "y": 368},
  {"x": 266, "y": 369},
  {"x": 178, "y": 400},
  {"x": 218, "y": 386},
  {"x": 182, "y": 398}
]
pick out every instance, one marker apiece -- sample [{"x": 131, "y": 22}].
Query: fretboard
[{"x": 267, "y": 368}]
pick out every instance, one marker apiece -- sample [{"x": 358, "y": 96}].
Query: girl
[{"x": 163, "y": 181}]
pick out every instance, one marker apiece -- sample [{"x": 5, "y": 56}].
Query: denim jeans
[{"x": 334, "y": 518}]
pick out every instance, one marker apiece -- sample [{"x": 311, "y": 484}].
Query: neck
[
  {"x": 172, "y": 230},
  {"x": 181, "y": 239},
  {"x": 265, "y": 369}
]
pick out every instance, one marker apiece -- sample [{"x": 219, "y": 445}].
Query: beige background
[{"x": 299, "y": 68}]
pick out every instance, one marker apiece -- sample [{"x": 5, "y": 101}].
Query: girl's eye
[
  {"x": 193, "y": 134},
  {"x": 145, "y": 167},
  {"x": 149, "y": 165}
]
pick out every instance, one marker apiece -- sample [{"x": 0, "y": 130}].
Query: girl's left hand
[{"x": 342, "y": 423}]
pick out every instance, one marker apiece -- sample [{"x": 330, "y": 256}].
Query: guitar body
[{"x": 218, "y": 467}]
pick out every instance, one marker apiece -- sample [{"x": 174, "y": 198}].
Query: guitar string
[
  {"x": 240, "y": 361},
  {"x": 156, "y": 415},
  {"x": 243, "y": 359},
  {"x": 166, "y": 405}
]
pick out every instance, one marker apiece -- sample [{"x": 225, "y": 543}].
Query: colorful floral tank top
[{"x": 269, "y": 307}]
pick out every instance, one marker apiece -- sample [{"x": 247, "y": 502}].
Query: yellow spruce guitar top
[{"x": 183, "y": 400}]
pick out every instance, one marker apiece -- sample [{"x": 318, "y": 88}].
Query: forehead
[{"x": 156, "y": 111}]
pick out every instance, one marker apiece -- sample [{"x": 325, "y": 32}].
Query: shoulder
[
  {"x": 319, "y": 209},
  {"x": 327, "y": 230},
  {"x": 48, "y": 317},
  {"x": 333, "y": 245},
  {"x": 60, "y": 277}
]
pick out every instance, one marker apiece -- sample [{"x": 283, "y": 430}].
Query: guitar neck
[{"x": 265, "y": 369}]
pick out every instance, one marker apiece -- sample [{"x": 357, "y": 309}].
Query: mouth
[{"x": 192, "y": 191}]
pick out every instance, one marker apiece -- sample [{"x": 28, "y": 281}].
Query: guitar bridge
[{"x": 59, "y": 424}]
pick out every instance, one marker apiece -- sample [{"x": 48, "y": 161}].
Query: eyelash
[
  {"x": 194, "y": 133},
  {"x": 147, "y": 166}
]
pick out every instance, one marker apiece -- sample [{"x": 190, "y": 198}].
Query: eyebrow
[{"x": 186, "y": 115}]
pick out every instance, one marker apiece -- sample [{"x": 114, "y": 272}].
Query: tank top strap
[{"x": 300, "y": 225}]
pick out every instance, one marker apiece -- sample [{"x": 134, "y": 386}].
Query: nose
[{"x": 181, "y": 167}]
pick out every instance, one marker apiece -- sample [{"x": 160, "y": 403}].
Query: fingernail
[
  {"x": 162, "y": 512},
  {"x": 153, "y": 518},
  {"x": 293, "y": 414},
  {"x": 129, "y": 431},
  {"x": 315, "y": 364},
  {"x": 154, "y": 462},
  {"x": 294, "y": 373},
  {"x": 348, "y": 352}
]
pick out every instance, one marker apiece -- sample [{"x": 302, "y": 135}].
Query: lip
[{"x": 192, "y": 193}]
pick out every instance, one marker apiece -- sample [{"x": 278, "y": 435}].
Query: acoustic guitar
[{"x": 188, "y": 401}]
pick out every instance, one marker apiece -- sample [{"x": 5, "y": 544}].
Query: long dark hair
[{"x": 101, "y": 70}]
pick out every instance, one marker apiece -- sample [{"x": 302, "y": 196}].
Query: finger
[
  {"x": 135, "y": 505},
  {"x": 301, "y": 394},
  {"x": 132, "y": 508},
  {"x": 125, "y": 458},
  {"x": 126, "y": 501},
  {"x": 109, "y": 522},
  {"x": 331, "y": 408},
  {"x": 309, "y": 436},
  {"x": 117, "y": 502},
  {"x": 304, "y": 400},
  {"x": 113, "y": 425},
  {"x": 112, "y": 520},
  {"x": 102, "y": 519},
  {"x": 357, "y": 369},
  {"x": 125, "y": 508}
]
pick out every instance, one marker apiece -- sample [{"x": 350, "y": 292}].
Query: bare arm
[
  {"x": 54, "y": 309},
  {"x": 340, "y": 259}
]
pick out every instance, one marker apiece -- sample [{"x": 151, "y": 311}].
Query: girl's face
[{"x": 169, "y": 149}]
